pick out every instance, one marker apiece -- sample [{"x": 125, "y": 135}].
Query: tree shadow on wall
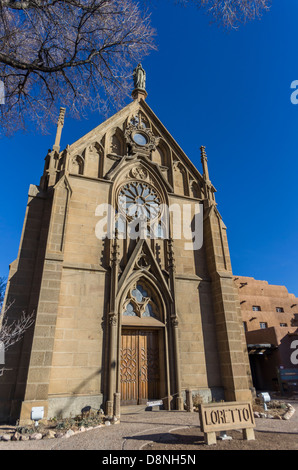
[
  {"x": 67, "y": 407},
  {"x": 23, "y": 295}
]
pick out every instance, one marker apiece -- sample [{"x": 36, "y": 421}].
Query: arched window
[
  {"x": 180, "y": 179},
  {"x": 77, "y": 165},
  {"x": 140, "y": 302},
  {"x": 161, "y": 155},
  {"x": 194, "y": 190},
  {"x": 94, "y": 160},
  {"x": 117, "y": 142}
]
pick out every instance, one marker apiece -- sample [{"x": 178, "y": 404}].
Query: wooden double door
[{"x": 139, "y": 366}]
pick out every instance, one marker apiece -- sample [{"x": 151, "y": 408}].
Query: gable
[{"x": 100, "y": 152}]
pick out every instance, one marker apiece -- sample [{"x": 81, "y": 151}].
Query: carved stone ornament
[
  {"x": 112, "y": 319},
  {"x": 171, "y": 258},
  {"x": 140, "y": 139},
  {"x": 115, "y": 252},
  {"x": 139, "y": 173},
  {"x": 61, "y": 116},
  {"x": 142, "y": 262},
  {"x": 175, "y": 163},
  {"x": 174, "y": 321},
  {"x": 92, "y": 148}
]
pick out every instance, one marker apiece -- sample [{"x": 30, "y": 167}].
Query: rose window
[{"x": 139, "y": 200}]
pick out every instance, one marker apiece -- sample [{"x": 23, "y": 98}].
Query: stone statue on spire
[{"x": 139, "y": 77}]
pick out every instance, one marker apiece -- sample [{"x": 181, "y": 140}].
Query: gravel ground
[
  {"x": 166, "y": 431},
  {"x": 192, "y": 440}
]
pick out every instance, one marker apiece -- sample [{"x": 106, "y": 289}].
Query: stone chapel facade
[{"x": 132, "y": 318}]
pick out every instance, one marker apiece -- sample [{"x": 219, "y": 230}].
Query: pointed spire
[
  {"x": 60, "y": 125},
  {"x": 204, "y": 163},
  {"x": 208, "y": 187}
]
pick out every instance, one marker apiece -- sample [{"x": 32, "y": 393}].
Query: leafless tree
[
  {"x": 12, "y": 331},
  {"x": 80, "y": 54},
  {"x": 231, "y": 13},
  {"x": 74, "y": 53}
]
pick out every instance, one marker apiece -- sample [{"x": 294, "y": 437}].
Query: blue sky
[{"x": 229, "y": 91}]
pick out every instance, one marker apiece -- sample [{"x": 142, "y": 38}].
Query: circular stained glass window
[
  {"x": 140, "y": 139},
  {"x": 139, "y": 201}
]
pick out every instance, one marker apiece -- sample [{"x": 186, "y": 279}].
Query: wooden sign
[{"x": 226, "y": 416}]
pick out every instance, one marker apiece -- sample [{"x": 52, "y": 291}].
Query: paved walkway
[{"x": 136, "y": 429}]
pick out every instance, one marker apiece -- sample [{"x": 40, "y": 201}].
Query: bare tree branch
[
  {"x": 51, "y": 49},
  {"x": 80, "y": 54},
  {"x": 12, "y": 332},
  {"x": 231, "y": 13}
]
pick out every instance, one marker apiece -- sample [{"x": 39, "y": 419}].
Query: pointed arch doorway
[
  {"x": 140, "y": 367},
  {"x": 142, "y": 357}
]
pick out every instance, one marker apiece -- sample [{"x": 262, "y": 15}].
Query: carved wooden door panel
[
  {"x": 139, "y": 366},
  {"x": 148, "y": 366},
  {"x": 129, "y": 367}
]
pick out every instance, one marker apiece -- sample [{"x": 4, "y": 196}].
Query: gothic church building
[{"x": 121, "y": 319}]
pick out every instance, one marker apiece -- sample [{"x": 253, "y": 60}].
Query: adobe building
[
  {"x": 118, "y": 318},
  {"x": 270, "y": 318}
]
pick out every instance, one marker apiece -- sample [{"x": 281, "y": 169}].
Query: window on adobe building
[
  {"x": 263, "y": 325},
  {"x": 279, "y": 309},
  {"x": 256, "y": 308},
  {"x": 283, "y": 324}
]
